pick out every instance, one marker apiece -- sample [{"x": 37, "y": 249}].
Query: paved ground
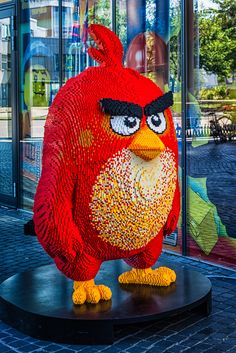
[{"x": 188, "y": 332}]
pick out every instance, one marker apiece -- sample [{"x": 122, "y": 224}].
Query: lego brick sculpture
[{"x": 109, "y": 185}]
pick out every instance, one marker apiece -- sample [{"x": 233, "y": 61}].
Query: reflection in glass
[
  {"x": 211, "y": 111},
  {"x": 39, "y": 85},
  {"x": 5, "y": 109},
  {"x": 77, "y": 16}
]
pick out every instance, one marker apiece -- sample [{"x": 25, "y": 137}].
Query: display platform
[{"x": 38, "y": 303}]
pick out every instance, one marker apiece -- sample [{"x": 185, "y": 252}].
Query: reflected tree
[{"x": 218, "y": 39}]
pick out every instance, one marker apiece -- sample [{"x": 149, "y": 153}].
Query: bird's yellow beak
[{"x": 146, "y": 144}]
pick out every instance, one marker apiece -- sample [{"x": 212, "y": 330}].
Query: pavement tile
[
  {"x": 231, "y": 341},
  {"x": 4, "y": 348},
  {"x": 200, "y": 347},
  {"x": 213, "y": 349},
  {"x": 4, "y": 335},
  {"x": 28, "y": 348},
  {"x": 157, "y": 349},
  {"x": 109, "y": 349},
  {"x": 39, "y": 343},
  {"x": 8, "y": 339},
  {"x": 162, "y": 345},
  {"x": 78, "y": 347},
  {"x": 135, "y": 349},
  {"x": 124, "y": 344},
  {"x": 17, "y": 344},
  {"x": 67, "y": 350},
  {"x": 145, "y": 344},
  {"x": 53, "y": 347},
  {"x": 176, "y": 349},
  {"x": 207, "y": 331},
  {"x": 224, "y": 346},
  {"x": 33, "y": 340}
]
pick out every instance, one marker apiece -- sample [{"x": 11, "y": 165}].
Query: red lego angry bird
[{"x": 109, "y": 184}]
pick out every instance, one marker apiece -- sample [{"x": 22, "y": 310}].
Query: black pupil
[
  {"x": 156, "y": 121},
  {"x": 130, "y": 122}
]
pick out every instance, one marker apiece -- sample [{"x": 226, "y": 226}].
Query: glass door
[{"x": 8, "y": 160}]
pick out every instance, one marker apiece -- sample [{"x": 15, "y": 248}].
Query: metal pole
[
  {"x": 18, "y": 105},
  {"x": 113, "y": 15},
  {"x": 61, "y": 62},
  {"x": 184, "y": 119}
]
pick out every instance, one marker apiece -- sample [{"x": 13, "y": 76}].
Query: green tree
[
  {"x": 100, "y": 13},
  {"x": 227, "y": 13},
  {"x": 174, "y": 43},
  {"x": 217, "y": 39}
]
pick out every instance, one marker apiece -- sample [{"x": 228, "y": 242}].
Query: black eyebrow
[
  {"x": 159, "y": 104},
  {"x": 116, "y": 107}
]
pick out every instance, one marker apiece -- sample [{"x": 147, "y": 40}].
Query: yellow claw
[
  {"x": 168, "y": 271},
  {"x": 105, "y": 292},
  {"x": 88, "y": 291},
  {"x": 162, "y": 276},
  {"x": 79, "y": 296}
]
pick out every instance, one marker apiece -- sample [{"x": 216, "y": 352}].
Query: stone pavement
[{"x": 187, "y": 332}]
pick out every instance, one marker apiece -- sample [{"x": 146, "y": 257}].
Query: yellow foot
[
  {"x": 89, "y": 292},
  {"x": 162, "y": 276}
]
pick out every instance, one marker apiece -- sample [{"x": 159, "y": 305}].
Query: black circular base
[{"x": 38, "y": 303}]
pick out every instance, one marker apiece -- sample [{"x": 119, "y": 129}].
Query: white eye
[
  {"x": 125, "y": 125},
  {"x": 157, "y": 123}
]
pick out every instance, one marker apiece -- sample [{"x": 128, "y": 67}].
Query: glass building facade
[{"x": 183, "y": 46}]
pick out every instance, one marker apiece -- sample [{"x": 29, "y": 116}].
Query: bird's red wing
[
  {"x": 53, "y": 217},
  {"x": 173, "y": 217}
]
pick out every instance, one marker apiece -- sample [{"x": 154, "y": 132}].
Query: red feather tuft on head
[{"x": 110, "y": 49}]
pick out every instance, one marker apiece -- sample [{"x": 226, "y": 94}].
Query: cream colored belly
[{"x": 132, "y": 198}]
